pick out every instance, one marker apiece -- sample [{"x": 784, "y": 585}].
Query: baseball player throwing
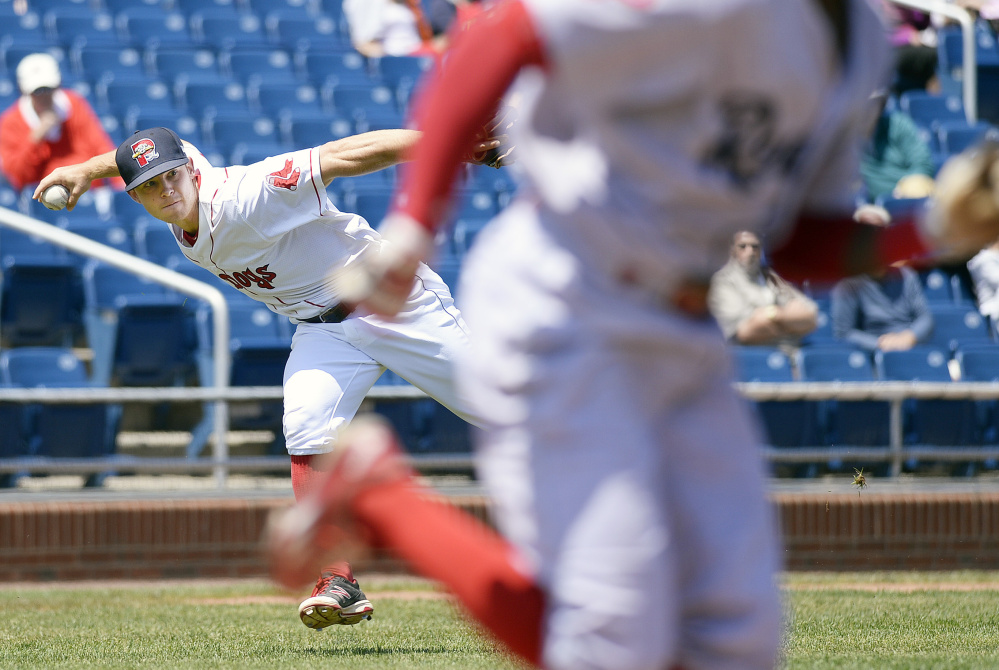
[
  {"x": 624, "y": 468},
  {"x": 270, "y": 231}
]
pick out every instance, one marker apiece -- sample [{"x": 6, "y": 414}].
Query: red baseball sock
[
  {"x": 475, "y": 563},
  {"x": 305, "y": 478}
]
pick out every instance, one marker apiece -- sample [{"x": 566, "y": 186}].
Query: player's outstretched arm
[
  {"x": 77, "y": 178},
  {"x": 376, "y": 150}
]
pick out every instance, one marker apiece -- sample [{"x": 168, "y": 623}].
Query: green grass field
[{"x": 866, "y": 620}]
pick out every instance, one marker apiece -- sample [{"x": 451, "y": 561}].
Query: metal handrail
[
  {"x": 969, "y": 83},
  {"x": 160, "y": 275}
]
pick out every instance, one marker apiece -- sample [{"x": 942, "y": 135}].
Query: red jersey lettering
[{"x": 262, "y": 277}]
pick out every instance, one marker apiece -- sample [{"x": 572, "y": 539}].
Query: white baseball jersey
[
  {"x": 681, "y": 122},
  {"x": 619, "y": 458},
  {"x": 268, "y": 229}
]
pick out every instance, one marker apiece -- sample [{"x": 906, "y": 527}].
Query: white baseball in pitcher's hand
[{"x": 55, "y": 197}]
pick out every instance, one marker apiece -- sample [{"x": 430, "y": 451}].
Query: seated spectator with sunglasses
[{"x": 753, "y": 305}]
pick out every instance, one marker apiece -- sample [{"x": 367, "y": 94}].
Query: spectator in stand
[
  {"x": 896, "y": 160},
  {"x": 753, "y": 305},
  {"x": 984, "y": 269},
  {"x": 914, "y": 38},
  {"x": 48, "y": 126},
  {"x": 442, "y": 14},
  {"x": 885, "y": 310},
  {"x": 390, "y": 28}
]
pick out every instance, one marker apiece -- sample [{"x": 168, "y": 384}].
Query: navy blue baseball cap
[{"x": 148, "y": 153}]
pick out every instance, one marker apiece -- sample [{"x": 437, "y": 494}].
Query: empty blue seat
[
  {"x": 69, "y": 430},
  {"x": 901, "y": 208},
  {"x": 313, "y": 132},
  {"x": 74, "y": 25},
  {"x": 168, "y": 62},
  {"x": 957, "y": 325},
  {"x": 227, "y": 130},
  {"x": 403, "y": 71},
  {"x": 154, "y": 342},
  {"x": 928, "y": 110},
  {"x": 127, "y": 212},
  {"x": 148, "y": 6},
  {"x": 130, "y": 96},
  {"x": 928, "y": 421},
  {"x": 208, "y": 7},
  {"x": 937, "y": 286},
  {"x": 470, "y": 203},
  {"x": 276, "y": 99},
  {"x": 99, "y": 231},
  {"x": 202, "y": 99},
  {"x": 248, "y": 153},
  {"x": 142, "y": 28},
  {"x": 335, "y": 66},
  {"x": 372, "y": 204},
  {"x": 226, "y": 32},
  {"x": 154, "y": 241},
  {"x": 15, "y": 245},
  {"x": 851, "y": 423},
  {"x": 14, "y": 47},
  {"x": 362, "y": 101},
  {"x": 101, "y": 62},
  {"x": 292, "y": 8},
  {"x": 41, "y": 303},
  {"x": 187, "y": 127},
  {"x": 293, "y": 32},
  {"x": 787, "y": 424},
  {"x": 981, "y": 364},
  {"x": 258, "y": 65},
  {"x": 956, "y": 136}
]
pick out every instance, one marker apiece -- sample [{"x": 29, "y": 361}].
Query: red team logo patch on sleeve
[{"x": 286, "y": 178}]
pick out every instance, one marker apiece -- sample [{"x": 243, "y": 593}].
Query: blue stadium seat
[
  {"x": 955, "y": 326},
  {"x": 155, "y": 242},
  {"x": 78, "y": 25},
  {"x": 60, "y": 430},
  {"x": 168, "y": 62},
  {"x": 154, "y": 342},
  {"x": 362, "y": 101},
  {"x": 100, "y": 231},
  {"x": 147, "y": 6},
  {"x": 371, "y": 204},
  {"x": 127, "y": 212},
  {"x": 301, "y": 32},
  {"x": 41, "y": 303},
  {"x": 956, "y": 136},
  {"x": 9, "y": 92},
  {"x": 15, "y": 245},
  {"x": 226, "y": 131},
  {"x": 937, "y": 286},
  {"x": 207, "y": 7},
  {"x": 929, "y": 421},
  {"x": 14, "y": 47},
  {"x": 312, "y": 132},
  {"x": 335, "y": 66},
  {"x": 222, "y": 32},
  {"x": 277, "y": 99},
  {"x": 981, "y": 364},
  {"x": 903, "y": 207},
  {"x": 928, "y": 110},
  {"x": 102, "y": 286},
  {"x": 95, "y": 63},
  {"x": 143, "y": 28},
  {"x": 187, "y": 127},
  {"x": 122, "y": 97},
  {"x": 202, "y": 99},
  {"x": 292, "y": 8},
  {"x": 248, "y": 153},
  {"x": 258, "y": 65},
  {"x": 851, "y": 423},
  {"x": 787, "y": 424},
  {"x": 471, "y": 203}
]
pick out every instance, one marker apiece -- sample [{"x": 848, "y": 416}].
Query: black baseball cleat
[{"x": 334, "y": 601}]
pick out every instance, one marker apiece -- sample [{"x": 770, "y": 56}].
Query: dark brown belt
[{"x": 335, "y": 314}]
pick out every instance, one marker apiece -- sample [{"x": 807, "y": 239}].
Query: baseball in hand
[{"x": 55, "y": 197}]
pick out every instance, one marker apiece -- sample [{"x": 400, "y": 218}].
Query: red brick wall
[{"x": 220, "y": 538}]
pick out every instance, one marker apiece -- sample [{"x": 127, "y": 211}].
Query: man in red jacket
[{"x": 48, "y": 126}]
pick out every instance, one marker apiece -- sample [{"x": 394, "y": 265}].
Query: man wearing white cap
[{"x": 48, "y": 126}]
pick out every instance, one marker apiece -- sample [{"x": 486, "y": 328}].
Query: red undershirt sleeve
[
  {"x": 481, "y": 64},
  {"x": 829, "y": 248}
]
